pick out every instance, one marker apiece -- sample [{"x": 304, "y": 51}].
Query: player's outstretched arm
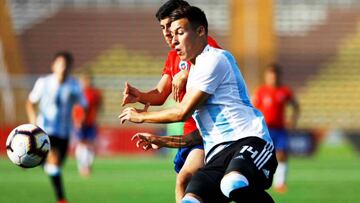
[
  {"x": 150, "y": 141},
  {"x": 154, "y": 97},
  {"x": 192, "y": 99}
]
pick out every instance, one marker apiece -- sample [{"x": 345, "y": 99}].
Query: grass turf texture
[{"x": 332, "y": 176}]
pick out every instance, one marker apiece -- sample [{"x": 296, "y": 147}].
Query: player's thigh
[
  {"x": 206, "y": 184},
  {"x": 58, "y": 151},
  {"x": 193, "y": 162},
  {"x": 256, "y": 160}
]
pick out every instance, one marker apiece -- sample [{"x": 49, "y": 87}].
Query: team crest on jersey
[{"x": 183, "y": 65}]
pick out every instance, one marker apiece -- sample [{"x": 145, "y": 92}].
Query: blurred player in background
[
  {"x": 240, "y": 156},
  {"x": 188, "y": 159},
  {"x": 271, "y": 99},
  {"x": 86, "y": 126},
  {"x": 54, "y": 96}
]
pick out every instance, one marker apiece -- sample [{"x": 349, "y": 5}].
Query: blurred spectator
[
  {"x": 86, "y": 126},
  {"x": 56, "y": 94},
  {"x": 271, "y": 99}
]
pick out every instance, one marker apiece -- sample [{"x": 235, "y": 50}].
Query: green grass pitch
[{"x": 331, "y": 176}]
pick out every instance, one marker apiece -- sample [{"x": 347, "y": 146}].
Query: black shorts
[
  {"x": 252, "y": 157},
  {"x": 60, "y": 146}
]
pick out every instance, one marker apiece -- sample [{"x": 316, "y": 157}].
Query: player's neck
[{"x": 199, "y": 51}]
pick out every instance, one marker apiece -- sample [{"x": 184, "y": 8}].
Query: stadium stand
[{"x": 331, "y": 98}]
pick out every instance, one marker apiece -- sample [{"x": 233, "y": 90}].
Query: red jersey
[
  {"x": 272, "y": 101},
  {"x": 93, "y": 98},
  {"x": 173, "y": 65}
]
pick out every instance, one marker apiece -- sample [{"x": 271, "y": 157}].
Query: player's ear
[{"x": 201, "y": 31}]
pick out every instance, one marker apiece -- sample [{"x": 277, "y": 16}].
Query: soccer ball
[{"x": 27, "y": 145}]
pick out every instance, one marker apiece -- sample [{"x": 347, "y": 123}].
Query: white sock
[
  {"x": 80, "y": 154},
  {"x": 280, "y": 174},
  {"x": 90, "y": 154},
  {"x": 189, "y": 199}
]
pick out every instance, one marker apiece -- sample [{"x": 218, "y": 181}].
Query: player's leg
[
  {"x": 250, "y": 171},
  {"x": 194, "y": 161},
  {"x": 81, "y": 156},
  {"x": 204, "y": 187},
  {"x": 85, "y": 149},
  {"x": 53, "y": 163},
  {"x": 281, "y": 146}
]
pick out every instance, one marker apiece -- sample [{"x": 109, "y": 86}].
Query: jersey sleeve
[
  {"x": 209, "y": 72},
  {"x": 37, "y": 91}
]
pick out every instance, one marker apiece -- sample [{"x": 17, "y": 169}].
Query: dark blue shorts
[
  {"x": 182, "y": 154},
  {"x": 280, "y": 138},
  {"x": 86, "y": 133}
]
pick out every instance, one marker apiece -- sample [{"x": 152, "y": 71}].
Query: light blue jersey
[
  {"x": 228, "y": 114},
  {"x": 55, "y": 104}
]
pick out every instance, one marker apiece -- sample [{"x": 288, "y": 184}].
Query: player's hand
[
  {"x": 145, "y": 141},
  {"x": 131, "y": 94},
  {"x": 179, "y": 84},
  {"x": 130, "y": 114}
]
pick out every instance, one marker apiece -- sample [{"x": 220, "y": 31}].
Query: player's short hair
[
  {"x": 68, "y": 56},
  {"x": 195, "y": 16},
  {"x": 167, "y": 8},
  {"x": 274, "y": 68}
]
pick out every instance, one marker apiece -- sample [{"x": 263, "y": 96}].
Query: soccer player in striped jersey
[
  {"x": 240, "y": 156},
  {"x": 271, "y": 99},
  {"x": 55, "y": 95},
  {"x": 174, "y": 76}
]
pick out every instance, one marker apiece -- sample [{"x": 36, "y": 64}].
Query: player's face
[
  {"x": 165, "y": 28},
  {"x": 186, "y": 39},
  {"x": 59, "y": 68},
  {"x": 270, "y": 78}
]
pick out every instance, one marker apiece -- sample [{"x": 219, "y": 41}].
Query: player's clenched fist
[{"x": 131, "y": 94}]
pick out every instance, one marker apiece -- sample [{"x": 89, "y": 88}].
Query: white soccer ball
[{"x": 27, "y": 145}]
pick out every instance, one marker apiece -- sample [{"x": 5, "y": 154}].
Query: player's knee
[
  {"x": 183, "y": 178},
  {"x": 190, "y": 199},
  {"x": 233, "y": 181},
  {"x": 52, "y": 169}
]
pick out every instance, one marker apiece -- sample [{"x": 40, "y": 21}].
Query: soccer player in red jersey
[
  {"x": 271, "y": 99},
  {"x": 188, "y": 159},
  {"x": 86, "y": 126}
]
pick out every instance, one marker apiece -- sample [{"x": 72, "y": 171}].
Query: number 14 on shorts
[{"x": 261, "y": 158}]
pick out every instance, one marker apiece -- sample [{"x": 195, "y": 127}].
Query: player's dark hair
[
  {"x": 69, "y": 59},
  {"x": 275, "y": 68},
  {"x": 195, "y": 16},
  {"x": 167, "y": 8}
]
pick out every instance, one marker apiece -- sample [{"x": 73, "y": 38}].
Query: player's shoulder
[
  {"x": 72, "y": 81},
  {"x": 285, "y": 88},
  {"x": 172, "y": 54},
  {"x": 212, "y": 42},
  {"x": 45, "y": 79},
  {"x": 214, "y": 55},
  {"x": 262, "y": 88}
]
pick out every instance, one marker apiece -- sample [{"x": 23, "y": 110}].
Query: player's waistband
[{"x": 217, "y": 148}]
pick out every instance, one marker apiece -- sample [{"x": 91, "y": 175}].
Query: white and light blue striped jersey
[
  {"x": 228, "y": 114},
  {"x": 55, "y": 104}
]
